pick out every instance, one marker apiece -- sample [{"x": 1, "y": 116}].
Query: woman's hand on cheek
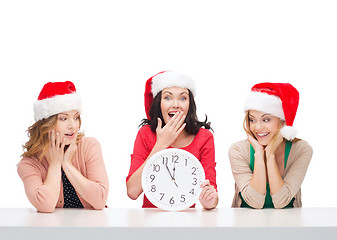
[
  {"x": 71, "y": 151},
  {"x": 208, "y": 196},
  {"x": 55, "y": 151},
  {"x": 272, "y": 146},
  {"x": 169, "y": 133},
  {"x": 256, "y": 145}
]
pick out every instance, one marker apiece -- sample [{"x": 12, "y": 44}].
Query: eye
[
  {"x": 266, "y": 120},
  {"x": 251, "y": 120},
  {"x": 62, "y": 118},
  {"x": 167, "y": 98},
  {"x": 183, "y": 99}
]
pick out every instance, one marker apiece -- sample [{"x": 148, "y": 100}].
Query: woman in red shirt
[{"x": 172, "y": 122}]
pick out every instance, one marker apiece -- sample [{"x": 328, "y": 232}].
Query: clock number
[
  {"x": 165, "y": 160},
  {"x": 192, "y": 191},
  {"x": 185, "y": 162},
  {"x": 162, "y": 195},
  {"x": 153, "y": 188},
  {"x": 195, "y": 181},
  {"x": 175, "y": 158},
  {"x": 194, "y": 170},
  {"x": 171, "y": 201},
  {"x": 182, "y": 198},
  {"x": 156, "y": 167},
  {"x": 152, "y": 177}
]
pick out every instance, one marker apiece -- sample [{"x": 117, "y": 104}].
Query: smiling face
[
  {"x": 68, "y": 123},
  {"x": 263, "y": 126},
  {"x": 173, "y": 100}
]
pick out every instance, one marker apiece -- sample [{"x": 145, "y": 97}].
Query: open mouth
[
  {"x": 171, "y": 114},
  {"x": 262, "y": 134},
  {"x": 69, "y": 134}
]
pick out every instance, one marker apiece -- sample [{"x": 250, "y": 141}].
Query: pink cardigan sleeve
[
  {"x": 96, "y": 191},
  {"x": 33, "y": 174}
]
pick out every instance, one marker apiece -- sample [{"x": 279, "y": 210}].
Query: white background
[{"x": 110, "y": 48}]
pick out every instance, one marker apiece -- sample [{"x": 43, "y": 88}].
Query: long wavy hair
[
  {"x": 38, "y": 143},
  {"x": 193, "y": 125}
]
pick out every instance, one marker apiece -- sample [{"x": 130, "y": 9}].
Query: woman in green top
[{"x": 269, "y": 168}]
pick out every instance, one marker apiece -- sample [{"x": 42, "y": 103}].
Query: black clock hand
[
  {"x": 169, "y": 171},
  {"x": 171, "y": 175},
  {"x": 174, "y": 170}
]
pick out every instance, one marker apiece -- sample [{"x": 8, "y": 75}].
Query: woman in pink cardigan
[{"x": 60, "y": 167}]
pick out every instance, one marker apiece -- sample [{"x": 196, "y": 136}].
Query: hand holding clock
[{"x": 208, "y": 196}]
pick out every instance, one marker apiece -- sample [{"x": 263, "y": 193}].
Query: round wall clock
[{"x": 171, "y": 179}]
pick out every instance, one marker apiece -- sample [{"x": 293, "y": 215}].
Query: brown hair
[{"x": 38, "y": 142}]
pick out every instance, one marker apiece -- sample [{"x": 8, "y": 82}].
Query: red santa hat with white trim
[
  {"x": 56, "y": 97},
  {"x": 278, "y": 99},
  {"x": 162, "y": 80}
]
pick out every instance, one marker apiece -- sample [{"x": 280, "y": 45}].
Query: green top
[{"x": 268, "y": 203}]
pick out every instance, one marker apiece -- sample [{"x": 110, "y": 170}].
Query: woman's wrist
[
  {"x": 55, "y": 164},
  {"x": 259, "y": 155},
  {"x": 270, "y": 157},
  {"x": 159, "y": 146},
  {"x": 66, "y": 165}
]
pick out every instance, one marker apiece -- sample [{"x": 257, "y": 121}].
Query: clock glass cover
[{"x": 171, "y": 179}]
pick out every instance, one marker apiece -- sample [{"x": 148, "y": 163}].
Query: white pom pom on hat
[{"x": 278, "y": 99}]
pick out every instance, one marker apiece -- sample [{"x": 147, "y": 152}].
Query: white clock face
[{"x": 171, "y": 179}]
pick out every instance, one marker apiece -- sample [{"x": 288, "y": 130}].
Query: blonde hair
[{"x": 38, "y": 142}]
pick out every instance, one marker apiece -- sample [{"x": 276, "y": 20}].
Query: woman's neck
[{"x": 183, "y": 140}]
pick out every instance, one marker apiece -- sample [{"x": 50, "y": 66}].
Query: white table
[{"x": 223, "y": 223}]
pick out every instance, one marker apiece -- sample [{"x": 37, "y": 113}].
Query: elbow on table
[
  {"x": 132, "y": 191},
  {"x": 99, "y": 206},
  {"x": 45, "y": 203},
  {"x": 278, "y": 205},
  {"x": 45, "y": 208},
  {"x": 256, "y": 206},
  {"x": 132, "y": 194}
]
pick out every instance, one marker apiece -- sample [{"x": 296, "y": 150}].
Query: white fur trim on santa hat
[
  {"x": 288, "y": 132},
  {"x": 172, "y": 79},
  {"x": 61, "y": 103},
  {"x": 264, "y": 102}
]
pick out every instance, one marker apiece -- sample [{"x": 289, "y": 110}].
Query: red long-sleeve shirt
[{"x": 202, "y": 147}]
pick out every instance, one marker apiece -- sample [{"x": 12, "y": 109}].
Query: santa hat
[
  {"x": 56, "y": 97},
  {"x": 278, "y": 99},
  {"x": 162, "y": 80}
]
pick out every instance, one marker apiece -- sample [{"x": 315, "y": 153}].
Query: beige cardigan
[{"x": 298, "y": 161}]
